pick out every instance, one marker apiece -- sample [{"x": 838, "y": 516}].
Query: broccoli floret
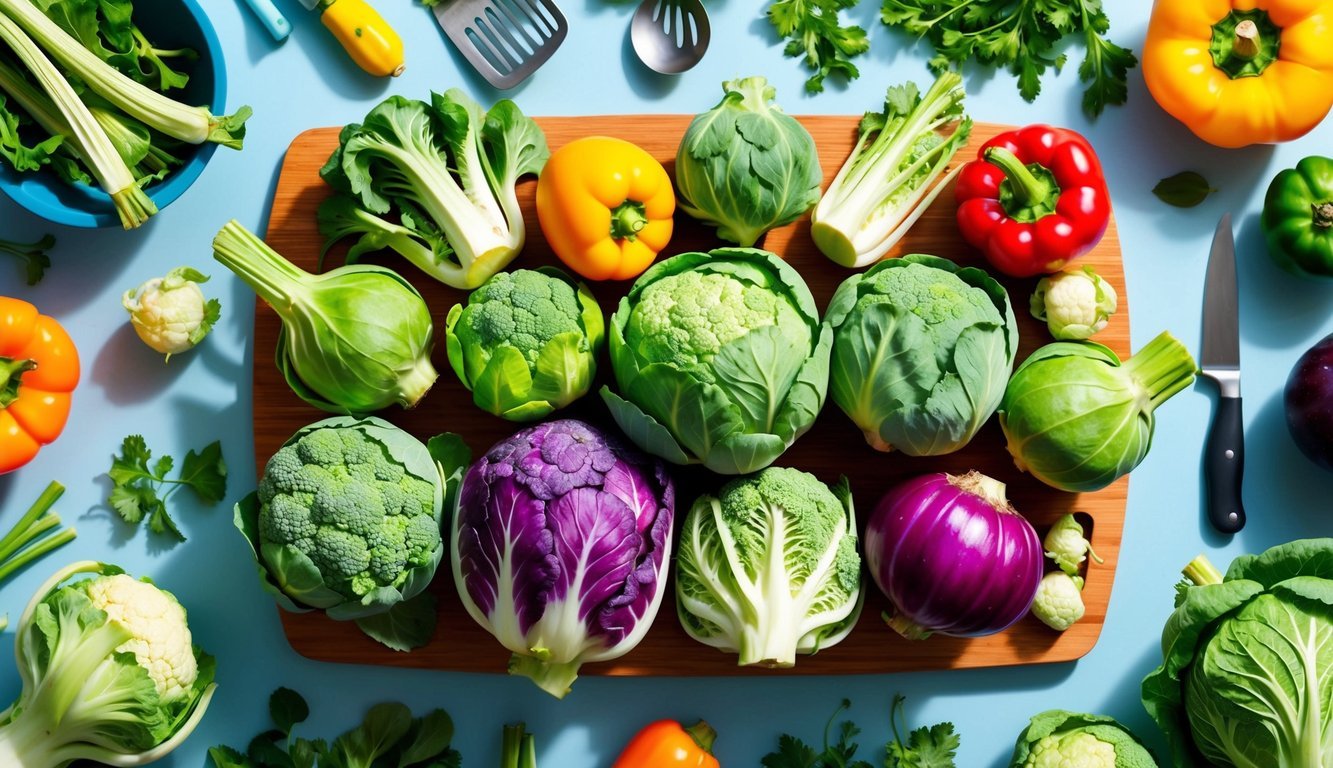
[
  {"x": 940, "y": 298},
  {"x": 524, "y": 310},
  {"x": 686, "y": 318},
  {"x": 338, "y": 495}
]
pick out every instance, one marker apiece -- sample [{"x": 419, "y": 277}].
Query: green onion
[
  {"x": 133, "y": 206},
  {"x": 194, "y": 125}
]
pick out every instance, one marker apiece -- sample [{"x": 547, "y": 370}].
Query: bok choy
[{"x": 891, "y": 177}]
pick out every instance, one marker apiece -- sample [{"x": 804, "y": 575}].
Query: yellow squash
[
  {"x": 367, "y": 37},
  {"x": 1241, "y": 72},
  {"x": 605, "y": 206}
]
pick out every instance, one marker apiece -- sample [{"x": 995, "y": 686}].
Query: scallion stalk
[
  {"x": 194, "y": 125},
  {"x": 133, "y": 206}
]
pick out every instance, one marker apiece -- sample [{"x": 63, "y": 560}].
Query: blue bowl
[{"x": 169, "y": 24}]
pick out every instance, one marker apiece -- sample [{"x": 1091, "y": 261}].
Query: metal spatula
[{"x": 504, "y": 40}]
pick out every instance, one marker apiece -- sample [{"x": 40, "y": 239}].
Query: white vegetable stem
[
  {"x": 133, "y": 206},
  {"x": 858, "y": 219},
  {"x": 190, "y": 124}
]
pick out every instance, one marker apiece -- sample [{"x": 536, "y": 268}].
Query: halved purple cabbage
[{"x": 560, "y": 548}]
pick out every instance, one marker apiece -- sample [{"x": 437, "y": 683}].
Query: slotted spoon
[
  {"x": 670, "y": 36},
  {"x": 504, "y": 40}
]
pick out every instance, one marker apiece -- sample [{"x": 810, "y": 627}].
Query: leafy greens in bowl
[{"x": 173, "y": 27}]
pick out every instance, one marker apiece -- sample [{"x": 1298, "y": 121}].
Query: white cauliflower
[
  {"x": 1074, "y": 305},
  {"x": 170, "y": 313},
  {"x": 1078, "y": 749},
  {"x": 1059, "y": 601},
  {"x": 161, "y": 642},
  {"x": 1067, "y": 547}
]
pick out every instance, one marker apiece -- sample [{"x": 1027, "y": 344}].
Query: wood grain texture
[{"x": 833, "y": 447}]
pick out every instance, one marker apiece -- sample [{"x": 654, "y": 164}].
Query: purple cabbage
[{"x": 560, "y": 548}]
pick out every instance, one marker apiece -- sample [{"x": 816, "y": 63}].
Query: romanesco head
[
  {"x": 1059, "y": 601},
  {"x": 940, "y": 298},
  {"x": 337, "y": 495},
  {"x": 685, "y": 319},
  {"x": 1077, "y": 749},
  {"x": 801, "y": 506},
  {"x": 161, "y": 641},
  {"x": 523, "y": 309},
  {"x": 1074, "y": 305}
]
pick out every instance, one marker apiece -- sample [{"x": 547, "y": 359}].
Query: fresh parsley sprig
[
  {"x": 932, "y": 747},
  {"x": 140, "y": 491},
  {"x": 815, "y": 32}
]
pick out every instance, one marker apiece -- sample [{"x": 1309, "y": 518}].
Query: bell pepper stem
[
  {"x": 627, "y": 220},
  {"x": 11, "y": 371},
  {"x": 1027, "y": 188},
  {"x": 1246, "y": 45},
  {"x": 703, "y": 735},
  {"x": 1323, "y": 215}
]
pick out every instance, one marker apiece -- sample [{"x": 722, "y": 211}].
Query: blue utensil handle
[
  {"x": 1224, "y": 467},
  {"x": 272, "y": 19}
]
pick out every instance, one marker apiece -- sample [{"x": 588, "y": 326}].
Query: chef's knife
[
  {"x": 1224, "y": 454},
  {"x": 365, "y": 35}
]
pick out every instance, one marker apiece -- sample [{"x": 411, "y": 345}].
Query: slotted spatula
[{"x": 504, "y": 40}]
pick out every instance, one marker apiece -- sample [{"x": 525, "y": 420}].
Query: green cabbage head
[
  {"x": 1247, "y": 662},
  {"x": 922, "y": 350},
  {"x": 1060, "y": 739},
  {"x": 719, "y": 358}
]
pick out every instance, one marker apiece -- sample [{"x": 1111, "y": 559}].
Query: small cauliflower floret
[
  {"x": 1067, "y": 547},
  {"x": 1074, "y": 305},
  {"x": 686, "y": 318},
  {"x": 161, "y": 642},
  {"x": 170, "y": 313},
  {"x": 1059, "y": 601},
  {"x": 1071, "y": 750}
]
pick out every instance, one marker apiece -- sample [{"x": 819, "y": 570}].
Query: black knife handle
[{"x": 1224, "y": 466}]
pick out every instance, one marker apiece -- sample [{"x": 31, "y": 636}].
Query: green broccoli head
[
  {"x": 525, "y": 342},
  {"x": 939, "y": 297},
  {"x": 339, "y": 496},
  {"x": 769, "y": 568},
  {"x": 686, "y": 318}
]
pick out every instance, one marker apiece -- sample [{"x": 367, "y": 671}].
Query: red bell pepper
[{"x": 1034, "y": 200}]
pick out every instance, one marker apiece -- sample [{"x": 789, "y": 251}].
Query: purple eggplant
[{"x": 1308, "y": 399}]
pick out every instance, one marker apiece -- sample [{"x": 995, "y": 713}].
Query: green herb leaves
[
  {"x": 388, "y": 737},
  {"x": 1183, "y": 190},
  {"x": 1022, "y": 36},
  {"x": 32, "y": 255},
  {"x": 815, "y": 33},
  {"x": 137, "y": 490},
  {"x": 932, "y": 747}
]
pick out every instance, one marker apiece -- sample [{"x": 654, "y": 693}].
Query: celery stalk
[
  {"x": 194, "y": 125},
  {"x": 133, "y": 206}
]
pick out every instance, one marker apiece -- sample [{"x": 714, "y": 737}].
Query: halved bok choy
[{"x": 894, "y": 172}]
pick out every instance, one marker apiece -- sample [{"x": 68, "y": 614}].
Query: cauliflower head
[
  {"x": 161, "y": 640},
  {"x": 1071, "y": 750},
  {"x": 1059, "y": 601},
  {"x": 1074, "y": 305},
  {"x": 525, "y": 343},
  {"x": 170, "y": 313},
  {"x": 339, "y": 496},
  {"x": 1059, "y": 739}
]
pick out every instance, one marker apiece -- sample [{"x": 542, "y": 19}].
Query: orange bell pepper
[
  {"x": 605, "y": 206},
  {"x": 39, "y": 369},
  {"x": 1240, "y": 72},
  {"x": 665, "y": 744}
]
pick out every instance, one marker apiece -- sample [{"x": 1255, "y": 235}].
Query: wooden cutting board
[{"x": 833, "y": 447}]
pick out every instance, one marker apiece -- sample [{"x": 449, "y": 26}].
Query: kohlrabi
[
  {"x": 448, "y": 170},
  {"x": 354, "y": 340}
]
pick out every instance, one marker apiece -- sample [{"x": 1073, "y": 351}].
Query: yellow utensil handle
[{"x": 366, "y": 36}]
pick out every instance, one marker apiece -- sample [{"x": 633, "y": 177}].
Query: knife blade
[
  {"x": 1224, "y": 451},
  {"x": 364, "y": 34}
]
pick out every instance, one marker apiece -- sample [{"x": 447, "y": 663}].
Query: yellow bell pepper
[
  {"x": 1240, "y": 72},
  {"x": 367, "y": 37},
  {"x": 605, "y": 206}
]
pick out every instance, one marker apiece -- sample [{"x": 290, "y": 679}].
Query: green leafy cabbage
[
  {"x": 719, "y": 358},
  {"x": 1247, "y": 662},
  {"x": 746, "y": 166},
  {"x": 921, "y": 352}
]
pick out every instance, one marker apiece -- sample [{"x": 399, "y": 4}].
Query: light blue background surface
[{"x": 205, "y": 395}]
